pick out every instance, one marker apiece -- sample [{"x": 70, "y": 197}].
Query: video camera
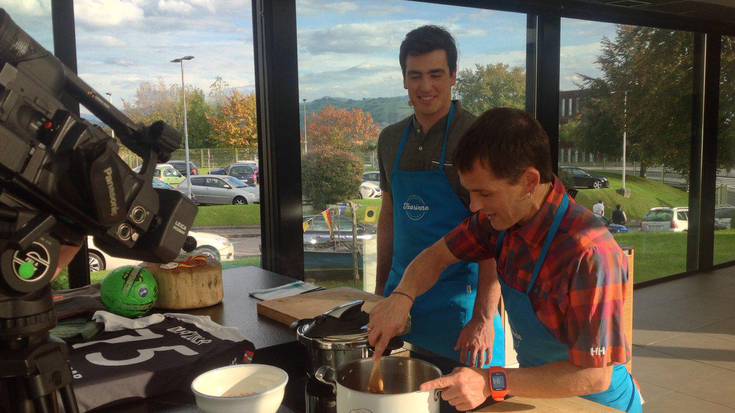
[{"x": 60, "y": 179}]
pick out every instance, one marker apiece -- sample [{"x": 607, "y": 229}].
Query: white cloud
[
  {"x": 361, "y": 38},
  {"x": 35, "y": 8},
  {"x": 363, "y": 8},
  {"x": 99, "y": 14},
  {"x": 175, "y": 6}
]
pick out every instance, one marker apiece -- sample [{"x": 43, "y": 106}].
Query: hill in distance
[{"x": 383, "y": 110}]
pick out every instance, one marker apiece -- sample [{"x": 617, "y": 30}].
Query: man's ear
[
  {"x": 453, "y": 77},
  {"x": 531, "y": 179}
]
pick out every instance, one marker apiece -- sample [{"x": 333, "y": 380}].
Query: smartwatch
[{"x": 498, "y": 383}]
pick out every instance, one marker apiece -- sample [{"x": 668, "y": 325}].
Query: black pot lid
[{"x": 344, "y": 323}]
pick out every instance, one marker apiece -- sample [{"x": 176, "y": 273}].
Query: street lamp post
[
  {"x": 186, "y": 126},
  {"x": 111, "y": 129},
  {"x": 305, "y": 129},
  {"x": 625, "y": 133}
]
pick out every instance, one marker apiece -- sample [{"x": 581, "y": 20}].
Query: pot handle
[{"x": 323, "y": 374}]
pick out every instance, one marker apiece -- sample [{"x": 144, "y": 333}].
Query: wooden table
[{"x": 276, "y": 345}]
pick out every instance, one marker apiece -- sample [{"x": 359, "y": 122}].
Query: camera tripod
[{"x": 34, "y": 371}]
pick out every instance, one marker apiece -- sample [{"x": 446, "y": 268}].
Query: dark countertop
[{"x": 275, "y": 344}]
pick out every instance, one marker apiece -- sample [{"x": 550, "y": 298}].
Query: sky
[{"x": 346, "y": 48}]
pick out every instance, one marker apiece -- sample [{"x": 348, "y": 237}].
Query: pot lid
[{"x": 346, "y": 323}]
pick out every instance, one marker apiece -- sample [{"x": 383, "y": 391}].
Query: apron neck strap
[
  {"x": 549, "y": 238},
  {"x": 558, "y": 217},
  {"x": 407, "y": 131}
]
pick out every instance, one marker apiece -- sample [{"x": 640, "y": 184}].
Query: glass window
[
  {"x": 198, "y": 181},
  {"x": 725, "y": 189},
  {"x": 126, "y": 53},
  {"x": 352, "y": 87},
  {"x": 630, "y": 156},
  {"x": 34, "y": 17}
]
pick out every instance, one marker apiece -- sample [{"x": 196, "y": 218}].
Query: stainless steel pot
[
  {"x": 332, "y": 352},
  {"x": 402, "y": 377}
]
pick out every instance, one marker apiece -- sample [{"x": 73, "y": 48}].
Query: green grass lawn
[
  {"x": 664, "y": 253},
  {"x": 227, "y": 216},
  {"x": 645, "y": 194}
]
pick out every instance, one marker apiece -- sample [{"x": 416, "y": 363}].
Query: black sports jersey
[{"x": 154, "y": 360}]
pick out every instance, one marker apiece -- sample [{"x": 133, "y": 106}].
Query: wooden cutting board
[{"x": 299, "y": 307}]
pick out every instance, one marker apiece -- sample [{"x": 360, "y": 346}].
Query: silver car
[{"x": 221, "y": 189}]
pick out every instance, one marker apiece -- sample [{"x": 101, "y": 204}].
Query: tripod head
[{"x": 61, "y": 179}]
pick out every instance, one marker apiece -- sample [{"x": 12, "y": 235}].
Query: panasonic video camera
[{"x": 61, "y": 177}]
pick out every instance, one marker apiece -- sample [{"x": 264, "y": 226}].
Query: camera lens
[
  {"x": 123, "y": 232},
  {"x": 138, "y": 214}
]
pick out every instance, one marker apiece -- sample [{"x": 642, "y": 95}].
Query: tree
[
  {"x": 342, "y": 129},
  {"x": 653, "y": 68},
  {"x": 490, "y": 86},
  {"x": 157, "y": 101},
  {"x": 330, "y": 175},
  {"x": 236, "y": 123}
]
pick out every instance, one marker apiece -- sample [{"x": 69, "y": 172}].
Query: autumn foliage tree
[
  {"x": 342, "y": 129},
  {"x": 330, "y": 175},
  {"x": 235, "y": 124}
]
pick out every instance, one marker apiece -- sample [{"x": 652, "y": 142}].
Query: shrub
[{"x": 330, "y": 176}]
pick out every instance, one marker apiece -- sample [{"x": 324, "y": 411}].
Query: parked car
[
  {"x": 166, "y": 173},
  {"x": 157, "y": 183},
  {"x": 666, "y": 219},
  {"x": 613, "y": 228},
  {"x": 246, "y": 171},
  {"x": 724, "y": 218},
  {"x": 317, "y": 232},
  {"x": 221, "y": 189},
  {"x": 208, "y": 244},
  {"x": 181, "y": 167},
  {"x": 579, "y": 178},
  {"x": 371, "y": 176}
]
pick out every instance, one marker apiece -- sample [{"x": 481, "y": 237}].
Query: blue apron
[
  {"x": 425, "y": 208},
  {"x": 536, "y": 345}
]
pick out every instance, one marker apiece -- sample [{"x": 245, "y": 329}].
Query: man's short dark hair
[
  {"x": 506, "y": 141},
  {"x": 426, "y": 39}
]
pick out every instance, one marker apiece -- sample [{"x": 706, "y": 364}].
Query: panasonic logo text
[{"x": 111, "y": 191}]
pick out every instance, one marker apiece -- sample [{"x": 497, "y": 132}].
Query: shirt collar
[{"x": 534, "y": 231}]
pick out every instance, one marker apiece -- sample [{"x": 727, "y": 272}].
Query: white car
[
  {"x": 370, "y": 189},
  {"x": 666, "y": 219},
  {"x": 208, "y": 244}
]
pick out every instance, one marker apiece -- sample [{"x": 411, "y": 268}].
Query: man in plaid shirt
[{"x": 562, "y": 274}]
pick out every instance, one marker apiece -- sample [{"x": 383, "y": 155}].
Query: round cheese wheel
[{"x": 195, "y": 283}]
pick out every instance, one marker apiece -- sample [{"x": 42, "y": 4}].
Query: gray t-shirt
[{"x": 423, "y": 151}]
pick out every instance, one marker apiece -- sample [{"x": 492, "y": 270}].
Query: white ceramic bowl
[{"x": 252, "y": 388}]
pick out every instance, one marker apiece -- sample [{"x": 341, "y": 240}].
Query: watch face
[{"x": 498, "y": 381}]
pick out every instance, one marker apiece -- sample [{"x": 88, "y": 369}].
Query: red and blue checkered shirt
[{"x": 579, "y": 293}]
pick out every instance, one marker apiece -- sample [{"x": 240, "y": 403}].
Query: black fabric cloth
[
  {"x": 77, "y": 302},
  {"x": 618, "y": 217},
  {"x": 161, "y": 358}
]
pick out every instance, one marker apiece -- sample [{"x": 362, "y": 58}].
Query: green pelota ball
[{"x": 129, "y": 291}]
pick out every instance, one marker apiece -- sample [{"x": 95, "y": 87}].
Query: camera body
[{"x": 61, "y": 177}]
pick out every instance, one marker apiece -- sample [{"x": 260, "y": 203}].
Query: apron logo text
[{"x": 415, "y": 207}]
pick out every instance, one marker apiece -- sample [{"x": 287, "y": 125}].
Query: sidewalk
[{"x": 252, "y": 231}]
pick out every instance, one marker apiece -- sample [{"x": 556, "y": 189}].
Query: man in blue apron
[
  {"x": 563, "y": 275},
  {"x": 423, "y": 200}
]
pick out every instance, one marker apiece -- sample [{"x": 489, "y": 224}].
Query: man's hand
[
  {"x": 387, "y": 319},
  {"x": 475, "y": 343},
  {"x": 464, "y": 389}
]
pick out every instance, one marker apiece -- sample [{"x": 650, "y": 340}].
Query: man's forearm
[
  {"x": 557, "y": 380},
  {"x": 488, "y": 291},
  {"x": 385, "y": 243}
]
